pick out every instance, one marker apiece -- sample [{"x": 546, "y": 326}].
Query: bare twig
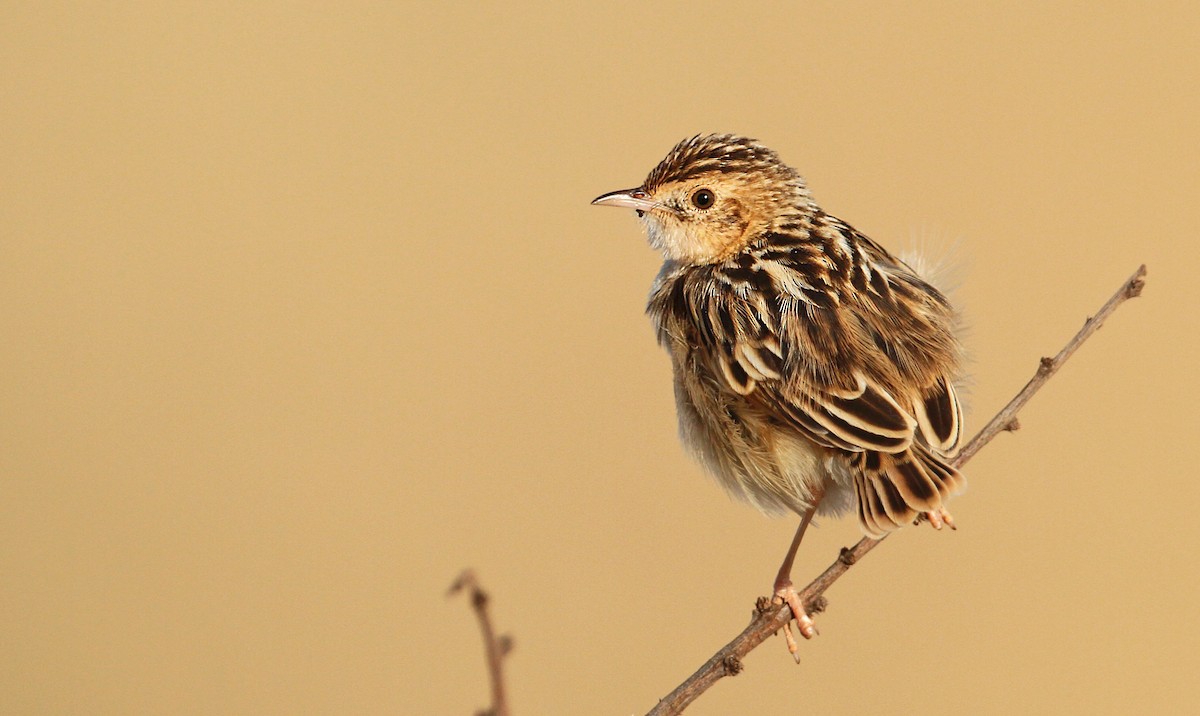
[
  {"x": 496, "y": 647},
  {"x": 1006, "y": 419},
  {"x": 769, "y": 618}
]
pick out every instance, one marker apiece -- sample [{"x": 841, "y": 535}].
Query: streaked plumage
[
  {"x": 812, "y": 367},
  {"x": 814, "y": 371}
]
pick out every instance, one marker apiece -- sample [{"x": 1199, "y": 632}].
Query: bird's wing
[
  {"x": 939, "y": 417},
  {"x": 748, "y": 338},
  {"x": 896, "y": 449},
  {"x": 856, "y": 417},
  {"x": 936, "y": 407}
]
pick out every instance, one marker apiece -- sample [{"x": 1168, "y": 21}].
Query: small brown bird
[{"x": 814, "y": 371}]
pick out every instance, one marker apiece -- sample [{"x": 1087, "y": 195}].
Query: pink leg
[{"x": 784, "y": 593}]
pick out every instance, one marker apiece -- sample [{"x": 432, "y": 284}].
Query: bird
[{"x": 815, "y": 372}]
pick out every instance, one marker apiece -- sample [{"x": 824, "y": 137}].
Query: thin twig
[
  {"x": 1006, "y": 418},
  {"x": 769, "y": 618},
  {"x": 496, "y": 647}
]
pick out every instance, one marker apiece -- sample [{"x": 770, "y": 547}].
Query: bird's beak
[{"x": 626, "y": 199}]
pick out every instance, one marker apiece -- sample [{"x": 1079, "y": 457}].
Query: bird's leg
[{"x": 784, "y": 593}]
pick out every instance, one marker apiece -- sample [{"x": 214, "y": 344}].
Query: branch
[
  {"x": 1006, "y": 419},
  {"x": 769, "y": 618},
  {"x": 495, "y": 647}
]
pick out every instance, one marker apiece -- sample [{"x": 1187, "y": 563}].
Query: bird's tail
[{"x": 893, "y": 488}]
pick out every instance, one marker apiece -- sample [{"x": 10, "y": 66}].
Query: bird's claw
[
  {"x": 937, "y": 518},
  {"x": 804, "y": 624}
]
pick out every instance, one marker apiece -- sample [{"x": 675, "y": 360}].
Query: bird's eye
[{"x": 703, "y": 198}]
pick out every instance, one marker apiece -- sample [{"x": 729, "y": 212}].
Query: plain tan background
[{"x": 303, "y": 310}]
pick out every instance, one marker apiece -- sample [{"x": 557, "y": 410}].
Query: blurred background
[{"x": 303, "y": 310}]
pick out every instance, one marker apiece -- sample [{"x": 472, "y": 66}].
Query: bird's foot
[
  {"x": 784, "y": 594},
  {"x": 938, "y": 518}
]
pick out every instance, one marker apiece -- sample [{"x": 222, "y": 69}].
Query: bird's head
[{"x": 711, "y": 196}]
